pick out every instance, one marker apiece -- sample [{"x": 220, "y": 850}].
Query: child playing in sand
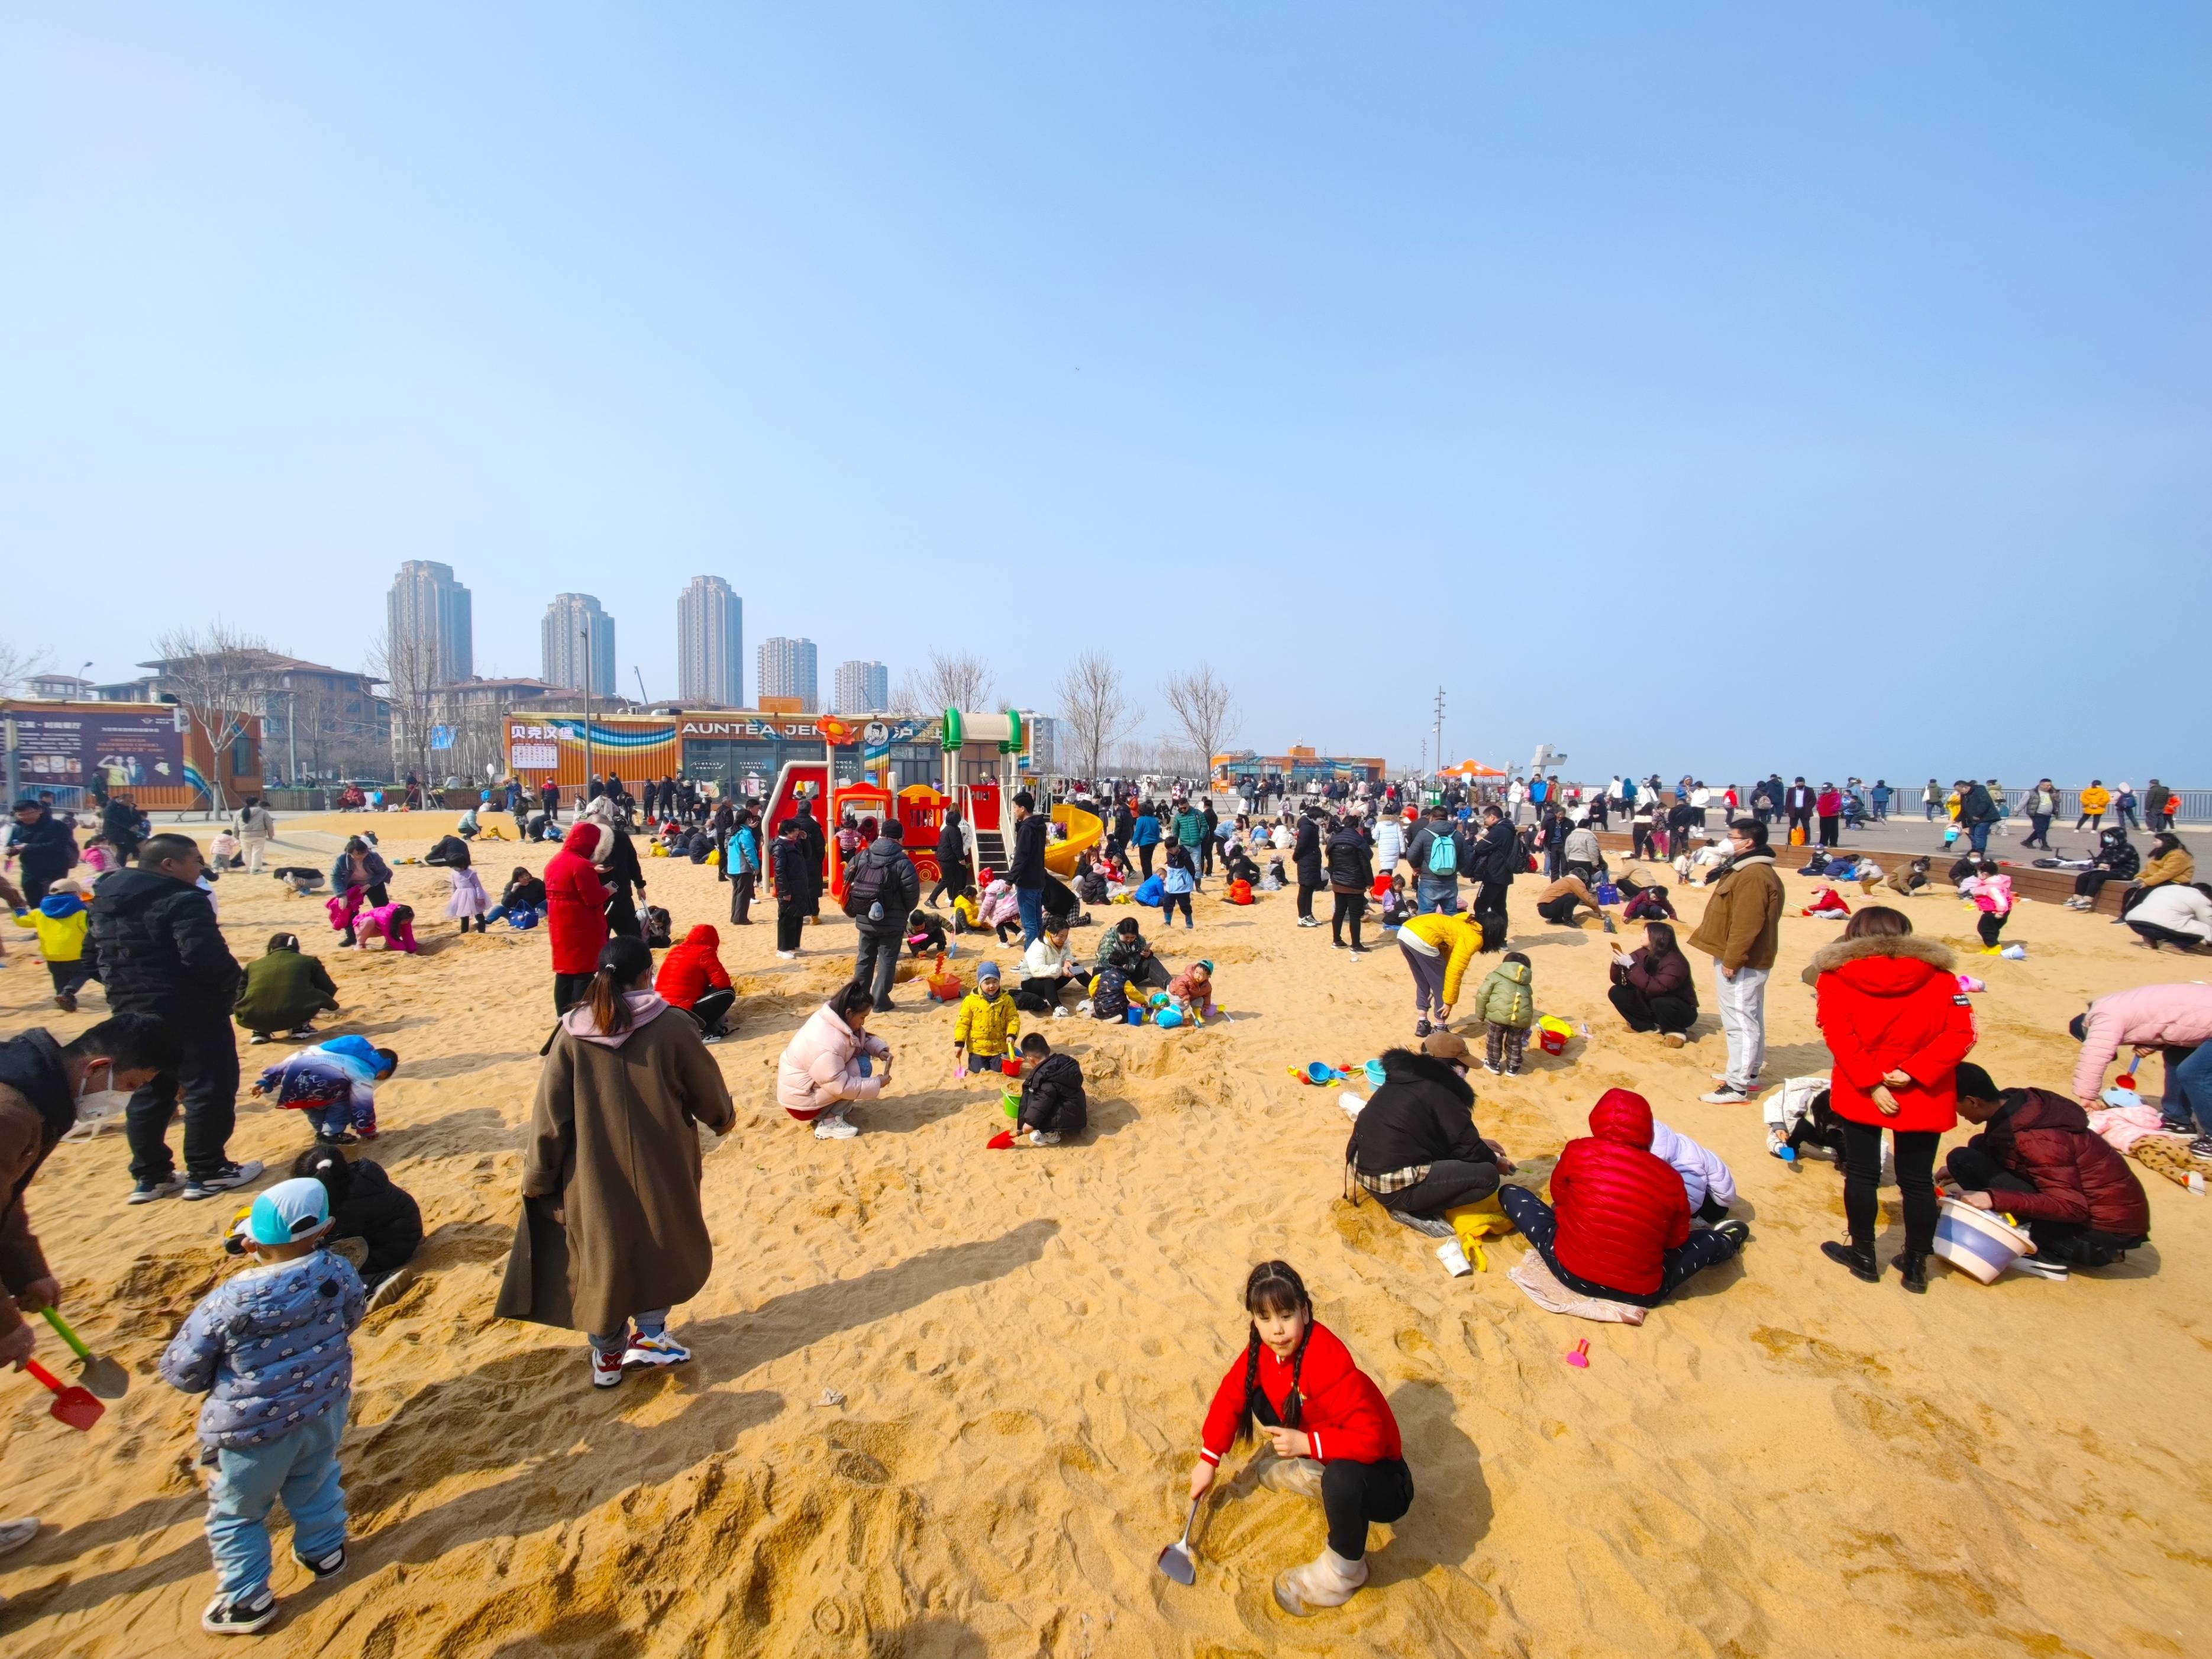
[
  {"x": 1177, "y": 883},
  {"x": 1827, "y": 902},
  {"x": 1273, "y": 881},
  {"x": 1000, "y": 911},
  {"x": 1192, "y": 991},
  {"x": 987, "y": 1024},
  {"x": 222, "y": 850},
  {"x": 925, "y": 934},
  {"x": 1911, "y": 879},
  {"x": 1054, "y": 1107},
  {"x": 1649, "y": 904},
  {"x": 1329, "y": 1431},
  {"x": 1707, "y": 1183},
  {"x": 1047, "y": 970},
  {"x": 269, "y": 1348},
  {"x": 1397, "y": 905},
  {"x": 466, "y": 900},
  {"x": 1990, "y": 890},
  {"x": 335, "y": 1083},
  {"x": 385, "y": 927},
  {"x": 967, "y": 911},
  {"x": 1506, "y": 1004}
]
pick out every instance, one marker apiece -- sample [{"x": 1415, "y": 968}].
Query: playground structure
[{"x": 982, "y": 757}]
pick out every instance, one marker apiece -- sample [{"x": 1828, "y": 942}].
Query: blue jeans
[
  {"x": 2189, "y": 1090},
  {"x": 1436, "y": 896},
  {"x": 1978, "y": 838},
  {"x": 1031, "y": 901},
  {"x": 302, "y": 1468}
]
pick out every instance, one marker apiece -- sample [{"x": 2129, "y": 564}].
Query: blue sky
[{"x": 1711, "y": 388}]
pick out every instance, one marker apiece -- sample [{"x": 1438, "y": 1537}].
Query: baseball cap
[
  {"x": 1446, "y": 1045},
  {"x": 289, "y": 1212}
]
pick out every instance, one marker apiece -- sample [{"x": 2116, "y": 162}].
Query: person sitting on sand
[
  {"x": 1124, "y": 947},
  {"x": 2037, "y": 1156},
  {"x": 1618, "y": 1227},
  {"x": 831, "y": 1064},
  {"x": 613, "y": 1234},
  {"x": 1414, "y": 1146},
  {"x": 1328, "y": 1429},
  {"x": 1047, "y": 970},
  {"x": 1707, "y": 1181}
]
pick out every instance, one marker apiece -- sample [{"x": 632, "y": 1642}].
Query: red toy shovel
[{"x": 72, "y": 1404}]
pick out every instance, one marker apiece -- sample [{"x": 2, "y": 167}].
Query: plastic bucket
[
  {"x": 1552, "y": 1035},
  {"x": 1011, "y": 1065},
  {"x": 1979, "y": 1241},
  {"x": 1136, "y": 1015},
  {"x": 1011, "y": 1102}
]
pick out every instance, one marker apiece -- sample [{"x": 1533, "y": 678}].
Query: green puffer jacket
[{"x": 1504, "y": 998}]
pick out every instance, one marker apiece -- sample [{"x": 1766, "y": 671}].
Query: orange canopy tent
[{"x": 1471, "y": 769}]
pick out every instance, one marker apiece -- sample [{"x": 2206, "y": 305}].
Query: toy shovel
[
  {"x": 72, "y": 1404},
  {"x": 98, "y": 1373},
  {"x": 1175, "y": 1561}
]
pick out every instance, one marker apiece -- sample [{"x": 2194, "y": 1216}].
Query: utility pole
[{"x": 1440, "y": 729}]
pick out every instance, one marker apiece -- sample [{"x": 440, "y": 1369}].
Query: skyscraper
[
  {"x": 710, "y": 643},
  {"x": 429, "y": 632},
  {"x": 863, "y": 688},
  {"x": 787, "y": 670},
  {"x": 569, "y": 620}
]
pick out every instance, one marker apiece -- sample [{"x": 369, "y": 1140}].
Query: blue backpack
[{"x": 1443, "y": 854}]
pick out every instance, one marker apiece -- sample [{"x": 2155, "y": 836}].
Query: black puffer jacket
[
  {"x": 1350, "y": 866},
  {"x": 1305, "y": 852},
  {"x": 159, "y": 949},
  {"x": 1424, "y": 1113},
  {"x": 366, "y": 1205},
  {"x": 1053, "y": 1098},
  {"x": 1495, "y": 854},
  {"x": 884, "y": 868}
]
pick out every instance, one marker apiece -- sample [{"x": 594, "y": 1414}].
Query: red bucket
[{"x": 1011, "y": 1065}]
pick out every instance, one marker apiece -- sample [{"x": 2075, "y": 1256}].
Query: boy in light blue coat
[{"x": 268, "y": 1346}]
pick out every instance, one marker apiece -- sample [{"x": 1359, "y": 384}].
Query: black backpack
[{"x": 870, "y": 879}]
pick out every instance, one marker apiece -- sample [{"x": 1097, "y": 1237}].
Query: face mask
[{"x": 84, "y": 1083}]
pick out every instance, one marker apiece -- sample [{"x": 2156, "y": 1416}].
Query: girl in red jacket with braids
[{"x": 1328, "y": 1427}]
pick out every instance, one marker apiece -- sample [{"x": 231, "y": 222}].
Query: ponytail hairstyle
[
  {"x": 623, "y": 960},
  {"x": 851, "y": 998},
  {"x": 1274, "y": 1287},
  {"x": 282, "y": 942}
]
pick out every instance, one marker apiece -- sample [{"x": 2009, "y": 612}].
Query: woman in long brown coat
[{"x": 612, "y": 1236}]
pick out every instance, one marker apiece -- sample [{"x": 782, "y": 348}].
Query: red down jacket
[
  {"x": 1893, "y": 1005},
  {"x": 688, "y": 971},
  {"x": 1340, "y": 1407},
  {"x": 1620, "y": 1210},
  {"x": 576, "y": 902},
  {"x": 2046, "y": 1138}
]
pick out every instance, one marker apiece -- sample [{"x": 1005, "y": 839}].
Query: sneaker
[
  {"x": 1357, "y": 953},
  {"x": 323, "y": 1138},
  {"x": 147, "y": 1191},
  {"x": 1336, "y": 944},
  {"x": 1041, "y": 1138},
  {"x": 2202, "y": 1147},
  {"x": 786, "y": 956},
  {"x": 1428, "y": 1226},
  {"x": 2039, "y": 1267},
  {"x": 1738, "y": 1231},
  {"x": 66, "y": 1002},
  {"x": 1725, "y": 1096},
  {"x": 1492, "y": 1068},
  {"x": 1420, "y": 1027},
  {"x": 606, "y": 1369},
  {"x": 224, "y": 1179},
  {"x": 257, "y": 1039},
  {"x": 1059, "y": 1013},
  {"x": 831, "y": 1126},
  {"x": 1671, "y": 1039},
  {"x": 244, "y": 1615},
  {"x": 298, "y": 1031},
  {"x": 328, "y": 1566},
  {"x": 648, "y": 1352}
]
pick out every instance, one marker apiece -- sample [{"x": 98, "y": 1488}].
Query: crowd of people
[{"x": 612, "y": 1235}]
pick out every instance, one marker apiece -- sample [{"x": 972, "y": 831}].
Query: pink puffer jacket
[
  {"x": 821, "y": 1066},
  {"x": 2153, "y": 1016}
]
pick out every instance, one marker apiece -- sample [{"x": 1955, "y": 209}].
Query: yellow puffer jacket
[
  {"x": 58, "y": 941},
  {"x": 1456, "y": 935},
  {"x": 988, "y": 1027},
  {"x": 2177, "y": 865},
  {"x": 2095, "y": 799}
]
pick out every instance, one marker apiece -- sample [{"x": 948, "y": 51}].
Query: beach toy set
[
  {"x": 1552, "y": 1033},
  {"x": 1982, "y": 1243}
]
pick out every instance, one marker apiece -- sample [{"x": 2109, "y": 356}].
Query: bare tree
[
  {"x": 213, "y": 673},
  {"x": 18, "y": 664},
  {"x": 955, "y": 680},
  {"x": 409, "y": 668},
  {"x": 1096, "y": 707},
  {"x": 1205, "y": 711}
]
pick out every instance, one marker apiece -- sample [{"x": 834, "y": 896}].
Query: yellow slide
[{"x": 1083, "y": 829}]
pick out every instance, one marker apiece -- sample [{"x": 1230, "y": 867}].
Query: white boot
[
  {"x": 1298, "y": 1476},
  {"x": 1326, "y": 1581}
]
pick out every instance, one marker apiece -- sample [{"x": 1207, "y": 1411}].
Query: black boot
[
  {"x": 1915, "y": 1269},
  {"x": 1859, "y": 1258}
]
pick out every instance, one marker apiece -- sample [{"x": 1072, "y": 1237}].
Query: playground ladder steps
[{"x": 991, "y": 851}]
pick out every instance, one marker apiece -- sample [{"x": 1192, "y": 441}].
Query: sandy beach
[{"x": 1780, "y": 1461}]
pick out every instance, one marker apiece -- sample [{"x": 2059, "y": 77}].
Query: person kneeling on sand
[
  {"x": 1618, "y": 1226},
  {"x": 1329, "y": 1430},
  {"x": 1414, "y": 1144},
  {"x": 613, "y": 1233},
  {"x": 1563, "y": 903},
  {"x": 2037, "y": 1156},
  {"x": 831, "y": 1062}
]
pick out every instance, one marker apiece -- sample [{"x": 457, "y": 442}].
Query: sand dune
[{"x": 1782, "y": 1462}]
